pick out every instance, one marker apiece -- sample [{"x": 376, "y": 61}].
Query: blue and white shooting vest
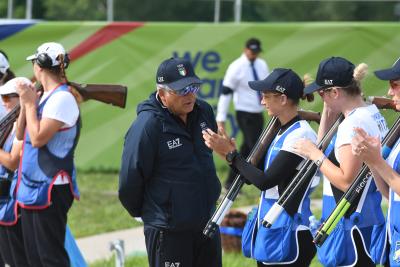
[
  {"x": 279, "y": 243},
  {"x": 393, "y": 220},
  {"x": 339, "y": 248},
  {"x": 41, "y": 166},
  {"x": 8, "y": 204}
]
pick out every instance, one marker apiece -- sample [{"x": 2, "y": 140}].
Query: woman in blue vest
[
  {"x": 351, "y": 243},
  {"x": 386, "y": 173},
  {"x": 288, "y": 242},
  {"x": 11, "y": 244},
  {"x": 47, "y": 177}
]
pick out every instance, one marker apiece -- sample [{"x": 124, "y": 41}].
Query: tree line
[{"x": 203, "y": 10}]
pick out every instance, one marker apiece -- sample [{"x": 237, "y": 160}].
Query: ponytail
[{"x": 306, "y": 81}]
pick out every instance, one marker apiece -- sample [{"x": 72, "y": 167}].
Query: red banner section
[{"x": 103, "y": 36}]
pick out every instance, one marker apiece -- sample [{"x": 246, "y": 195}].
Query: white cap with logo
[{"x": 52, "y": 49}]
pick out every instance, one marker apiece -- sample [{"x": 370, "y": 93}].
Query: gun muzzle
[
  {"x": 266, "y": 224},
  {"x": 210, "y": 229},
  {"x": 320, "y": 238}
]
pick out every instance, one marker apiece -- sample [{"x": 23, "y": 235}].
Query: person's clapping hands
[
  {"x": 365, "y": 146},
  {"x": 219, "y": 142},
  {"x": 27, "y": 93}
]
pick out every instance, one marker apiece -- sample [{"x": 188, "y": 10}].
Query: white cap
[
  {"x": 53, "y": 50},
  {"x": 10, "y": 87},
  {"x": 4, "y": 65}
]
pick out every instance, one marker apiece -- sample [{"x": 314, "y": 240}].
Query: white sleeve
[
  {"x": 231, "y": 76},
  {"x": 62, "y": 106},
  {"x": 346, "y": 130},
  {"x": 293, "y": 137},
  {"x": 223, "y": 107}
]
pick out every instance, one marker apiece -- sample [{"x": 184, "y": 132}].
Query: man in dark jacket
[{"x": 168, "y": 176}]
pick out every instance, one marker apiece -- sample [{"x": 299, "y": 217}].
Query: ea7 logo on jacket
[
  {"x": 174, "y": 143},
  {"x": 172, "y": 264}
]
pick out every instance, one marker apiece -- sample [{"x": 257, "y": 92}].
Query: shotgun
[
  {"x": 113, "y": 94},
  {"x": 107, "y": 93},
  {"x": 304, "y": 175},
  {"x": 351, "y": 196},
  {"x": 254, "y": 158}
]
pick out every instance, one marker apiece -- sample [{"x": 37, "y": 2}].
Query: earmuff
[{"x": 45, "y": 61}]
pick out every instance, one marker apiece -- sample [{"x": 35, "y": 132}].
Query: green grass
[{"x": 99, "y": 209}]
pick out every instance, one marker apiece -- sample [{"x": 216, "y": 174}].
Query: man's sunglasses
[{"x": 192, "y": 88}]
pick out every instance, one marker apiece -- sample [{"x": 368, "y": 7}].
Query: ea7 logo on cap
[
  {"x": 160, "y": 79},
  {"x": 328, "y": 82},
  {"x": 280, "y": 89},
  {"x": 181, "y": 69}
]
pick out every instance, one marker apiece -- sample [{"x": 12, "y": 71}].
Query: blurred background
[{"x": 123, "y": 42}]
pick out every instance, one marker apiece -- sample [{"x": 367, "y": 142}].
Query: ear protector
[{"x": 44, "y": 61}]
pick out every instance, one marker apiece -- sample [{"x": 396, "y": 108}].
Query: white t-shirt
[
  {"x": 370, "y": 120},
  {"x": 237, "y": 76},
  {"x": 61, "y": 106}
]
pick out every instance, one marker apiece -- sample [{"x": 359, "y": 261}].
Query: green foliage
[
  {"x": 75, "y": 10},
  {"x": 203, "y": 10}
]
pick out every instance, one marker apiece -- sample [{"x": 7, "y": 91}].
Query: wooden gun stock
[
  {"x": 113, "y": 94},
  {"x": 310, "y": 116},
  {"x": 382, "y": 102}
]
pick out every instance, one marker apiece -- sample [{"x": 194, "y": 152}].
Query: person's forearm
[
  {"x": 7, "y": 160},
  {"x": 383, "y": 187},
  {"x": 32, "y": 123},
  {"x": 21, "y": 124},
  {"x": 337, "y": 176},
  {"x": 327, "y": 120},
  {"x": 384, "y": 171}
]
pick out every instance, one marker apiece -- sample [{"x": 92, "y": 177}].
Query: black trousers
[
  {"x": 11, "y": 245},
  {"x": 307, "y": 251},
  {"x": 251, "y": 125},
  {"x": 44, "y": 230},
  {"x": 363, "y": 260},
  {"x": 183, "y": 249}
]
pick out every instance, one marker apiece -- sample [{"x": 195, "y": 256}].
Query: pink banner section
[{"x": 103, "y": 36}]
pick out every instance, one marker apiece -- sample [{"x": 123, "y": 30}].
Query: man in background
[{"x": 247, "y": 102}]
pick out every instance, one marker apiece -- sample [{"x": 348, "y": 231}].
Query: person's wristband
[
  {"x": 319, "y": 161},
  {"x": 231, "y": 156}
]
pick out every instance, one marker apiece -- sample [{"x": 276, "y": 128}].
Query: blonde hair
[
  {"x": 360, "y": 72},
  {"x": 354, "y": 88}
]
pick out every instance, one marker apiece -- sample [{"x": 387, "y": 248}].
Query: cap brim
[
  {"x": 387, "y": 74},
  {"x": 31, "y": 57},
  {"x": 7, "y": 89},
  {"x": 312, "y": 88},
  {"x": 182, "y": 83},
  {"x": 260, "y": 86}
]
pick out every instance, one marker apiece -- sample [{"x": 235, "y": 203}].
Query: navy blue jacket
[{"x": 168, "y": 175}]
